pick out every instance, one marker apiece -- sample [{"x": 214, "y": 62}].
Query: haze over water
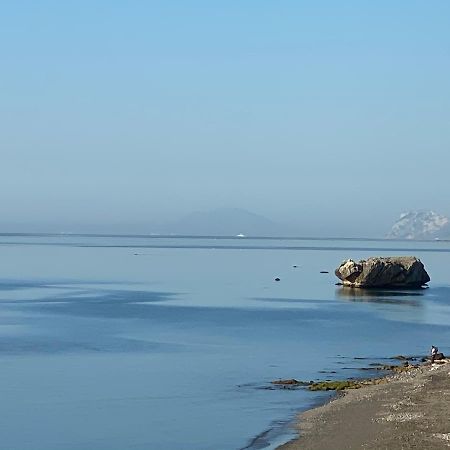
[
  {"x": 171, "y": 343},
  {"x": 331, "y": 117}
]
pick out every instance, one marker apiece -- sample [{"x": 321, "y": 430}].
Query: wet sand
[{"x": 410, "y": 410}]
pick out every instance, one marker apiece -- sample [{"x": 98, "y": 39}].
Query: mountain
[
  {"x": 224, "y": 222},
  {"x": 420, "y": 225}
]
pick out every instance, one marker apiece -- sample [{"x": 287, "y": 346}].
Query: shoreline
[{"x": 405, "y": 410}]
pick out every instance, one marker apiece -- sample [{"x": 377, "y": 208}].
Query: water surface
[{"x": 110, "y": 342}]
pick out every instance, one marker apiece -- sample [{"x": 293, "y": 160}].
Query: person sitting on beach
[{"x": 434, "y": 351}]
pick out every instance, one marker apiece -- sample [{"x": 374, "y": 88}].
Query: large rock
[
  {"x": 398, "y": 271},
  {"x": 420, "y": 225}
]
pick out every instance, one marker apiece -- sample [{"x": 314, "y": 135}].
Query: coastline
[{"x": 407, "y": 410}]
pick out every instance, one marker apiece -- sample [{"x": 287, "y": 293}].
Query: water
[{"x": 170, "y": 343}]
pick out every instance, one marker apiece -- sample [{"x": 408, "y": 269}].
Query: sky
[{"x": 330, "y": 115}]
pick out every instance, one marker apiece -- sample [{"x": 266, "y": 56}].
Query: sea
[{"x": 114, "y": 342}]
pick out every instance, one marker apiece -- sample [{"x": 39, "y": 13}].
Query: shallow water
[{"x": 171, "y": 343}]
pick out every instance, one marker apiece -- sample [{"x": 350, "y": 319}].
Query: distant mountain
[
  {"x": 420, "y": 225},
  {"x": 224, "y": 222}
]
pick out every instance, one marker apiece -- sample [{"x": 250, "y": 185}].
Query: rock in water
[{"x": 397, "y": 271}]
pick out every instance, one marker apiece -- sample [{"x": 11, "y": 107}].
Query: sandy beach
[{"x": 409, "y": 410}]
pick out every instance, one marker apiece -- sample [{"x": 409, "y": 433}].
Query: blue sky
[{"x": 307, "y": 112}]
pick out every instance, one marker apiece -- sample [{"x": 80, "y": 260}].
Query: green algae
[
  {"x": 337, "y": 385},
  {"x": 341, "y": 385}
]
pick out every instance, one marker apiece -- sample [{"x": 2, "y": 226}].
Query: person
[{"x": 434, "y": 351}]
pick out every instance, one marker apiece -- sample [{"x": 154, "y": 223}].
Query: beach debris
[{"x": 395, "y": 271}]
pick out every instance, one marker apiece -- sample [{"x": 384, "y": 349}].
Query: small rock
[{"x": 290, "y": 382}]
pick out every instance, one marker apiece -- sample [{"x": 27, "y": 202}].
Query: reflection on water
[
  {"x": 277, "y": 300},
  {"x": 388, "y": 296},
  {"x": 439, "y": 294},
  {"x": 346, "y": 291}
]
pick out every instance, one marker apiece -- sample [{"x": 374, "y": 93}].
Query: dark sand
[{"x": 410, "y": 410}]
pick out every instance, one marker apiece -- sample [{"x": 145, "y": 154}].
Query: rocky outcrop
[
  {"x": 420, "y": 225},
  {"x": 399, "y": 271}
]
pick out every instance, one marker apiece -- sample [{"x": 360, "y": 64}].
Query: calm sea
[{"x": 167, "y": 343}]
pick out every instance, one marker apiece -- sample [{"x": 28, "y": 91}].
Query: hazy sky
[{"x": 304, "y": 111}]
